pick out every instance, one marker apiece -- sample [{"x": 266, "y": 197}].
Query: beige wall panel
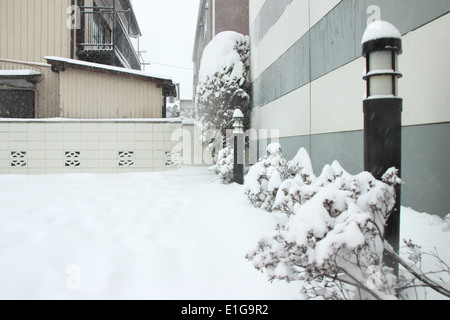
[
  {"x": 30, "y": 31},
  {"x": 293, "y": 24},
  {"x": 100, "y": 145},
  {"x": 319, "y": 9},
  {"x": 426, "y": 68},
  {"x": 254, "y": 8},
  {"x": 3, "y": 27},
  {"x": 90, "y": 95},
  {"x": 337, "y": 104},
  {"x": 38, "y": 29},
  {"x": 16, "y": 26},
  {"x": 33, "y": 29},
  {"x": 272, "y": 116}
]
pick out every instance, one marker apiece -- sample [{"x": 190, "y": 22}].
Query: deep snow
[{"x": 173, "y": 235}]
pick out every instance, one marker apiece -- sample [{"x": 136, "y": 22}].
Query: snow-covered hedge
[
  {"x": 265, "y": 177},
  {"x": 333, "y": 239},
  {"x": 225, "y": 165}
]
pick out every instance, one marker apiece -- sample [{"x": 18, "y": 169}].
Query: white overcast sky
[{"x": 168, "y": 32}]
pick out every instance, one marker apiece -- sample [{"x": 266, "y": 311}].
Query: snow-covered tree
[{"x": 223, "y": 86}]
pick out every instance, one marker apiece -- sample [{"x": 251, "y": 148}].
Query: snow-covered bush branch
[
  {"x": 265, "y": 177},
  {"x": 173, "y": 110},
  {"x": 414, "y": 278},
  {"x": 333, "y": 240},
  {"x": 225, "y": 165}
]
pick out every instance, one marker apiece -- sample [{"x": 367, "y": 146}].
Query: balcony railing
[{"x": 105, "y": 38}]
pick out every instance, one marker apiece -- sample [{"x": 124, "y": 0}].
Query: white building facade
[{"x": 307, "y": 69}]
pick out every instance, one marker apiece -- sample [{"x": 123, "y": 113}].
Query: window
[{"x": 17, "y": 103}]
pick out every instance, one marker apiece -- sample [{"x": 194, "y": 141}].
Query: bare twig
[{"x": 417, "y": 273}]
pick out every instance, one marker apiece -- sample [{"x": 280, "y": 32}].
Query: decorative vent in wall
[
  {"x": 73, "y": 159},
  {"x": 18, "y": 159},
  {"x": 173, "y": 159},
  {"x": 126, "y": 158}
]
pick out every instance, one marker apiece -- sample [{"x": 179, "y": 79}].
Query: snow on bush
[
  {"x": 225, "y": 165},
  {"x": 333, "y": 240},
  {"x": 265, "y": 177},
  {"x": 223, "y": 86},
  {"x": 173, "y": 110},
  {"x": 296, "y": 190}
]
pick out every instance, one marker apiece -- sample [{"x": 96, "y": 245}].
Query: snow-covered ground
[{"x": 173, "y": 235}]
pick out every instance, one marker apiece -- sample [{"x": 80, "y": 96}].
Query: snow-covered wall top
[
  {"x": 67, "y": 120},
  {"x": 109, "y": 68},
  {"x": 19, "y": 73}
]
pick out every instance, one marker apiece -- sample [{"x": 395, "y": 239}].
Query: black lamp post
[
  {"x": 238, "y": 133},
  {"x": 383, "y": 108}
]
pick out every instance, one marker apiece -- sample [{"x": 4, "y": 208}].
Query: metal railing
[
  {"x": 103, "y": 29},
  {"x": 97, "y": 28}
]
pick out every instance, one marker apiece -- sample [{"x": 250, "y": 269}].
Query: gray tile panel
[
  {"x": 270, "y": 12},
  {"x": 333, "y": 42},
  {"x": 425, "y": 156}
]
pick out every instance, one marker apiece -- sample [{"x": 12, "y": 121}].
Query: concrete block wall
[{"x": 90, "y": 146}]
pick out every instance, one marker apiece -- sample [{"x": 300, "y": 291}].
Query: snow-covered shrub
[
  {"x": 333, "y": 240},
  {"x": 173, "y": 110},
  {"x": 223, "y": 85},
  {"x": 295, "y": 189},
  {"x": 447, "y": 223},
  {"x": 186, "y": 113},
  {"x": 225, "y": 165},
  {"x": 265, "y": 177}
]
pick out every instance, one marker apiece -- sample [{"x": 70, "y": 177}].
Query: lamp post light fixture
[
  {"x": 238, "y": 125},
  {"x": 381, "y": 46},
  {"x": 238, "y": 133}
]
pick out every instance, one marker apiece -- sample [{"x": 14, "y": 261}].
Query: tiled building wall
[
  {"x": 52, "y": 147},
  {"x": 232, "y": 15},
  {"x": 307, "y": 83}
]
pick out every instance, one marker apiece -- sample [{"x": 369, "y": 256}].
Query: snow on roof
[
  {"x": 19, "y": 73},
  {"x": 380, "y": 29},
  {"x": 109, "y": 68}
]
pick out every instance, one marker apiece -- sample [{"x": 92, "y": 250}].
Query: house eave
[{"x": 59, "y": 64}]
